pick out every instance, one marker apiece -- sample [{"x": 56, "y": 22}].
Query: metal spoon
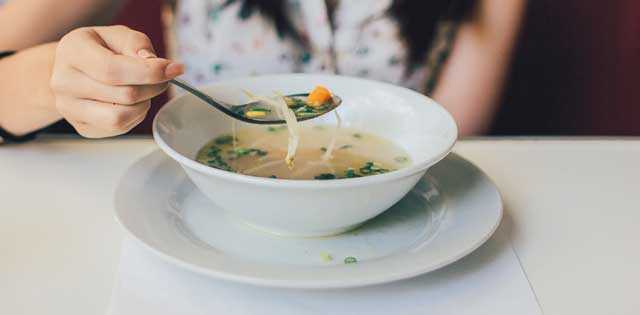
[{"x": 236, "y": 111}]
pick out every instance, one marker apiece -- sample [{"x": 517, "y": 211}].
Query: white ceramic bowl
[{"x": 309, "y": 207}]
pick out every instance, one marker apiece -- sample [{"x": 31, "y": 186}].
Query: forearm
[
  {"x": 27, "y": 23},
  {"x": 473, "y": 78},
  {"x": 26, "y": 101},
  {"x": 471, "y": 83}
]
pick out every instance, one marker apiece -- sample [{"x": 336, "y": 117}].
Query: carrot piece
[{"x": 319, "y": 96}]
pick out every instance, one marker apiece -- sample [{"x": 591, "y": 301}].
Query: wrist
[{"x": 26, "y": 100}]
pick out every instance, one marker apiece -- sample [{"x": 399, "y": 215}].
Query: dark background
[{"x": 576, "y": 69}]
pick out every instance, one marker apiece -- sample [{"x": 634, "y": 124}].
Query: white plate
[{"x": 451, "y": 212}]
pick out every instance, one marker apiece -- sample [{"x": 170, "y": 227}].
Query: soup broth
[{"x": 261, "y": 151}]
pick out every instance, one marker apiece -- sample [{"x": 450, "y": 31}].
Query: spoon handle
[
  {"x": 191, "y": 89},
  {"x": 207, "y": 99}
]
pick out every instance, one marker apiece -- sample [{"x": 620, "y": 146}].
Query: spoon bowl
[{"x": 238, "y": 111}]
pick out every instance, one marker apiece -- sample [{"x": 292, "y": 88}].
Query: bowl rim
[{"x": 412, "y": 169}]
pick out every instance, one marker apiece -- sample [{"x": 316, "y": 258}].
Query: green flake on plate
[
  {"x": 326, "y": 257},
  {"x": 350, "y": 260}
]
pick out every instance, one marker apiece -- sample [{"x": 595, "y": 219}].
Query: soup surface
[{"x": 261, "y": 151}]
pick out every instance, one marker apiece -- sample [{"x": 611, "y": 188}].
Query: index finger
[
  {"x": 108, "y": 67},
  {"x": 125, "y": 41}
]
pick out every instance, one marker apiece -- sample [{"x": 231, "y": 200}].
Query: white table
[{"x": 574, "y": 207}]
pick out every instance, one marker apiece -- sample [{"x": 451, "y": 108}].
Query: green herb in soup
[
  {"x": 226, "y": 139},
  {"x": 277, "y": 128},
  {"x": 351, "y": 173},
  {"x": 260, "y": 151},
  {"x": 211, "y": 155},
  {"x": 238, "y": 153},
  {"x": 326, "y": 176},
  {"x": 372, "y": 168}
]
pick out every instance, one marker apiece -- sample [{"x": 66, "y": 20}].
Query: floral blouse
[{"x": 363, "y": 40}]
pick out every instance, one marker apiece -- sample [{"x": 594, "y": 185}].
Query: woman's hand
[{"x": 104, "y": 77}]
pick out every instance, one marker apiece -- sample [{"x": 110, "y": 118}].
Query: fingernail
[
  {"x": 174, "y": 69},
  {"x": 146, "y": 53}
]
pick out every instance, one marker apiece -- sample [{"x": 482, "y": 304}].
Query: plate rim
[{"x": 306, "y": 284}]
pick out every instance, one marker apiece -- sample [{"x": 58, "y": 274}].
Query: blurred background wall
[{"x": 576, "y": 70}]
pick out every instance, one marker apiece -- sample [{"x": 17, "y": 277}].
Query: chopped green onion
[
  {"x": 350, "y": 260},
  {"x": 357, "y": 135},
  {"x": 215, "y": 151},
  {"x": 260, "y": 109},
  {"x": 372, "y": 168},
  {"x": 295, "y": 103},
  {"x": 274, "y": 129},
  {"x": 350, "y": 173},
  {"x": 224, "y": 139},
  {"x": 323, "y": 149},
  {"x": 216, "y": 160},
  {"x": 325, "y": 176},
  {"x": 305, "y": 109},
  {"x": 306, "y": 114},
  {"x": 346, "y": 146},
  {"x": 238, "y": 153}
]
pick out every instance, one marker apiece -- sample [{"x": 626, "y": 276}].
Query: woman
[{"x": 102, "y": 78}]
